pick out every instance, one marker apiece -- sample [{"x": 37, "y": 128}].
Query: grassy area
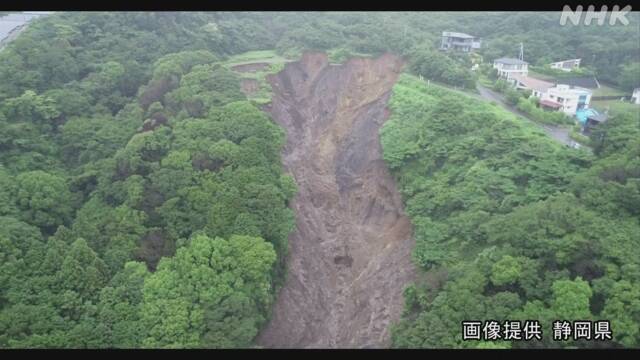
[
  {"x": 606, "y": 90},
  {"x": 411, "y": 83},
  {"x": 276, "y": 64},
  {"x": 575, "y": 135},
  {"x": 469, "y": 92},
  {"x": 485, "y": 81},
  {"x": 340, "y": 55},
  {"x": 602, "y": 105},
  {"x": 259, "y": 56}
]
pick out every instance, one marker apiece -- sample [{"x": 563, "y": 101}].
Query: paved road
[
  {"x": 13, "y": 24},
  {"x": 558, "y": 133}
]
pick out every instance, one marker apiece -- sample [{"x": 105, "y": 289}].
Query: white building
[
  {"x": 566, "y": 65},
  {"x": 508, "y": 67},
  {"x": 635, "y": 98},
  {"x": 566, "y": 98},
  {"x": 459, "y": 41}
]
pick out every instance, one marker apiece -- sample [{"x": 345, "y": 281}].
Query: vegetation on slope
[
  {"x": 508, "y": 224},
  {"x": 132, "y": 168},
  {"x": 143, "y": 198}
]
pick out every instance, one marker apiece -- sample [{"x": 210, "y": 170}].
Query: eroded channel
[{"x": 349, "y": 256}]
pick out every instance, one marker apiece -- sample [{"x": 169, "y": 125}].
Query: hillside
[{"x": 316, "y": 180}]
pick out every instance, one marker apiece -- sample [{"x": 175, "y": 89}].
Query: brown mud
[
  {"x": 253, "y": 67},
  {"x": 249, "y": 86},
  {"x": 350, "y": 254}
]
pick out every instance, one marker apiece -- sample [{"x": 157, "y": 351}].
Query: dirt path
[{"x": 350, "y": 254}]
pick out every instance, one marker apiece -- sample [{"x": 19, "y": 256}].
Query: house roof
[
  {"x": 457, "y": 34},
  {"x": 598, "y": 117},
  {"x": 551, "y": 104},
  {"x": 563, "y": 61},
  {"x": 583, "y": 114},
  {"x": 510, "y": 61},
  {"x": 533, "y": 83}
]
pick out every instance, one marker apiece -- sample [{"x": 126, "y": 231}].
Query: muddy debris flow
[{"x": 350, "y": 253}]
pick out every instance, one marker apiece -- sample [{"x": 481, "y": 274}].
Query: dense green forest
[
  {"x": 143, "y": 201},
  {"x": 143, "y": 198},
  {"x": 509, "y": 224}
]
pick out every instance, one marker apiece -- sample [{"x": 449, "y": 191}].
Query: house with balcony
[
  {"x": 509, "y": 67},
  {"x": 566, "y": 98},
  {"x": 459, "y": 41},
  {"x": 566, "y": 65}
]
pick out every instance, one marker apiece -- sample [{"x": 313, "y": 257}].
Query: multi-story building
[
  {"x": 459, "y": 41},
  {"x": 566, "y": 98},
  {"x": 566, "y": 65},
  {"x": 508, "y": 67}
]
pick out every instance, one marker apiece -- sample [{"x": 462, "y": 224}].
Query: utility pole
[{"x": 521, "y": 52}]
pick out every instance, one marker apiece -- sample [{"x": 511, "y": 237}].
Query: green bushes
[
  {"x": 117, "y": 153},
  {"x": 509, "y": 225},
  {"x": 433, "y": 64},
  {"x": 529, "y": 106}
]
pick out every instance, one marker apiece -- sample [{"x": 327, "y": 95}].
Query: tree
[
  {"x": 629, "y": 77},
  {"x": 506, "y": 271},
  {"x": 43, "y": 199},
  {"x": 199, "y": 297},
  {"x": 571, "y": 299},
  {"x": 622, "y": 308},
  {"x": 120, "y": 305}
]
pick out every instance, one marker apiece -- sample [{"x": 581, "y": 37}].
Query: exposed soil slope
[
  {"x": 249, "y": 86},
  {"x": 349, "y": 255},
  {"x": 253, "y": 67}
]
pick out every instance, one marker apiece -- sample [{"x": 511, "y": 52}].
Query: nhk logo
[{"x": 616, "y": 14}]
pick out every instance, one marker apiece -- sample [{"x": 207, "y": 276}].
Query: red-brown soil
[
  {"x": 349, "y": 256},
  {"x": 253, "y": 67},
  {"x": 249, "y": 86}
]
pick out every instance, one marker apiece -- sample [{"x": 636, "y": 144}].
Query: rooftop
[
  {"x": 457, "y": 35},
  {"x": 598, "y": 117},
  {"x": 510, "y": 61},
  {"x": 551, "y": 104},
  {"x": 533, "y": 83},
  {"x": 592, "y": 114},
  {"x": 562, "y": 61},
  {"x": 570, "y": 88}
]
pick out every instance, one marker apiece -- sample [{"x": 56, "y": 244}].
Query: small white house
[
  {"x": 566, "y": 65},
  {"x": 508, "y": 67},
  {"x": 566, "y": 98},
  {"x": 635, "y": 98}
]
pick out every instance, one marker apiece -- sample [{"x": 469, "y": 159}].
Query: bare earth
[
  {"x": 350, "y": 254},
  {"x": 249, "y": 86}
]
